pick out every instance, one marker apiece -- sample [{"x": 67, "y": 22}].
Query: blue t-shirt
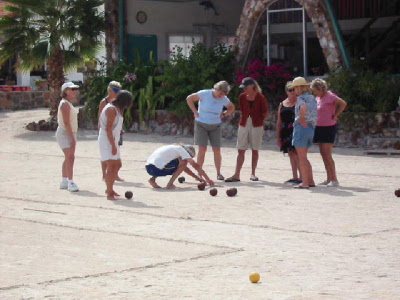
[
  {"x": 210, "y": 108},
  {"x": 311, "y": 111}
]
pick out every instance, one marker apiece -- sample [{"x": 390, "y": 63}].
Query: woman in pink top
[{"x": 330, "y": 106}]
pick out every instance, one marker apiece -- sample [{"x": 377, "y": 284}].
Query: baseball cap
[
  {"x": 246, "y": 82},
  {"x": 190, "y": 149},
  {"x": 69, "y": 85}
]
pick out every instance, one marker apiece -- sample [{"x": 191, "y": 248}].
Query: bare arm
[
  {"x": 190, "y": 101},
  {"x": 200, "y": 171},
  {"x": 66, "y": 111},
  {"x": 278, "y": 126},
  {"x": 302, "y": 113},
  {"x": 101, "y": 106},
  {"x": 111, "y": 114},
  {"x": 341, "y": 105},
  {"x": 230, "y": 108}
]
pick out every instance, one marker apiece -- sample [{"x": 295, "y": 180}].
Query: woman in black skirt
[{"x": 284, "y": 132}]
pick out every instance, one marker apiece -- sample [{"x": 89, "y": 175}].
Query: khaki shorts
[
  {"x": 250, "y": 136},
  {"x": 204, "y": 132}
]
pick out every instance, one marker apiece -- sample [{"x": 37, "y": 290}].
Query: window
[
  {"x": 227, "y": 41},
  {"x": 186, "y": 42}
]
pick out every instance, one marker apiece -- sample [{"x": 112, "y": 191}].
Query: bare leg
[
  {"x": 153, "y": 183},
  {"x": 119, "y": 167},
  {"x": 326, "y": 152},
  {"x": 182, "y": 166},
  {"x": 217, "y": 159},
  {"x": 68, "y": 164},
  {"x": 111, "y": 174},
  {"x": 254, "y": 161},
  {"x": 294, "y": 162},
  {"x": 103, "y": 169},
  {"x": 201, "y": 155},
  {"x": 239, "y": 163},
  {"x": 305, "y": 167}
]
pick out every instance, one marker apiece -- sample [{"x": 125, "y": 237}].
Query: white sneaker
[
  {"x": 72, "y": 187},
  {"x": 326, "y": 182},
  {"x": 333, "y": 184},
  {"x": 63, "y": 185}
]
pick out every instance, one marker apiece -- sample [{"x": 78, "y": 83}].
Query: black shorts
[{"x": 325, "y": 134}]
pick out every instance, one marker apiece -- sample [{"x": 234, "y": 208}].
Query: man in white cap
[{"x": 173, "y": 160}]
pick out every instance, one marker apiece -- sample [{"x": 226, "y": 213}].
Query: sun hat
[
  {"x": 246, "y": 82},
  {"x": 190, "y": 149},
  {"x": 69, "y": 85},
  {"x": 298, "y": 81}
]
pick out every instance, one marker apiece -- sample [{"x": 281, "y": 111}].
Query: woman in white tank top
[
  {"x": 110, "y": 122},
  {"x": 66, "y": 134}
]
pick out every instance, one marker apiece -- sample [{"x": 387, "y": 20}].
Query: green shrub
[
  {"x": 364, "y": 90},
  {"x": 182, "y": 76}
]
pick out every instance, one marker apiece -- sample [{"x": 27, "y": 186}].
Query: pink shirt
[{"x": 326, "y": 109}]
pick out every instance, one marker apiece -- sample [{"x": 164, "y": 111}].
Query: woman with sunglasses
[
  {"x": 208, "y": 120},
  {"x": 67, "y": 118},
  {"x": 284, "y": 131},
  {"x": 330, "y": 106}
]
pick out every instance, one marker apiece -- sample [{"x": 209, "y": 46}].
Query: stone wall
[
  {"x": 24, "y": 100},
  {"x": 368, "y": 130}
]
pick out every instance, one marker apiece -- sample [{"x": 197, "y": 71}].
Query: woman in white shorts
[
  {"x": 67, "y": 117},
  {"x": 254, "y": 110},
  {"x": 110, "y": 122}
]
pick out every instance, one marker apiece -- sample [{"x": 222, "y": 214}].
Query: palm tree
[{"x": 58, "y": 33}]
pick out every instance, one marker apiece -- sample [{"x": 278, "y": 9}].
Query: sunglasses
[
  {"x": 290, "y": 90},
  {"x": 74, "y": 89}
]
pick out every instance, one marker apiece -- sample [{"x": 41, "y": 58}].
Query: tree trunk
[
  {"x": 111, "y": 9},
  {"x": 56, "y": 79}
]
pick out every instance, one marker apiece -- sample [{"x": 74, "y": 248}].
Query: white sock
[
  {"x": 64, "y": 179},
  {"x": 70, "y": 181}
]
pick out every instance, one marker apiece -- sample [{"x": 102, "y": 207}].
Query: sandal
[
  {"x": 301, "y": 187},
  {"x": 220, "y": 177},
  {"x": 232, "y": 179},
  {"x": 254, "y": 178}
]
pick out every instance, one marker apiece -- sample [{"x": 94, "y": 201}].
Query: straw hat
[{"x": 298, "y": 81}]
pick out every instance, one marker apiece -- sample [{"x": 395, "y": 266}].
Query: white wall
[{"x": 164, "y": 18}]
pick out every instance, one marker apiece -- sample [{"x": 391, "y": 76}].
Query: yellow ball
[{"x": 254, "y": 277}]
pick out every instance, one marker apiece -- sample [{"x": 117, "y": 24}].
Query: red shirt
[{"x": 257, "y": 111}]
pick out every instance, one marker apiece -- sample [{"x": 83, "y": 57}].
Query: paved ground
[{"x": 323, "y": 243}]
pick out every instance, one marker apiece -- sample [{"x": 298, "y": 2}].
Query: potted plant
[{"x": 41, "y": 84}]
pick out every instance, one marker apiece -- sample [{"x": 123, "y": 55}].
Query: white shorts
[
  {"x": 63, "y": 139},
  {"x": 250, "y": 136},
  {"x": 105, "y": 148}
]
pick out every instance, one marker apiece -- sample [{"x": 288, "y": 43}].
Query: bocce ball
[
  {"x": 181, "y": 179},
  {"x": 201, "y": 186},
  {"x": 128, "y": 194},
  {"x": 254, "y": 277},
  {"x": 213, "y": 192},
  {"x": 231, "y": 192},
  {"x": 397, "y": 192}
]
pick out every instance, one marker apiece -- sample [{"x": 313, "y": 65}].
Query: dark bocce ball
[
  {"x": 397, "y": 192},
  {"x": 128, "y": 194},
  {"x": 213, "y": 192},
  {"x": 181, "y": 179},
  {"x": 201, "y": 186},
  {"x": 231, "y": 192}
]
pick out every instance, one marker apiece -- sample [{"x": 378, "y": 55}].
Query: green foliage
[
  {"x": 133, "y": 77},
  {"x": 364, "y": 90},
  {"x": 183, "y": 76}
]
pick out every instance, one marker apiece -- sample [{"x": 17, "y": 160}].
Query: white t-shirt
[{"x": 165, "y": 154}]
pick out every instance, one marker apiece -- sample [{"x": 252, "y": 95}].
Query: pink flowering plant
[{"x": 272, "y": 79}]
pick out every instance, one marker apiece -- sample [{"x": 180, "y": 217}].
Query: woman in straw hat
[
  {"x": 304, "y": 126},
  {"x": 330, "y": 106},
  {"x": 173, "y": 160}
]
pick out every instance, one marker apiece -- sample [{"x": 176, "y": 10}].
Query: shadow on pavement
[{"x": 135, "y": 204}]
